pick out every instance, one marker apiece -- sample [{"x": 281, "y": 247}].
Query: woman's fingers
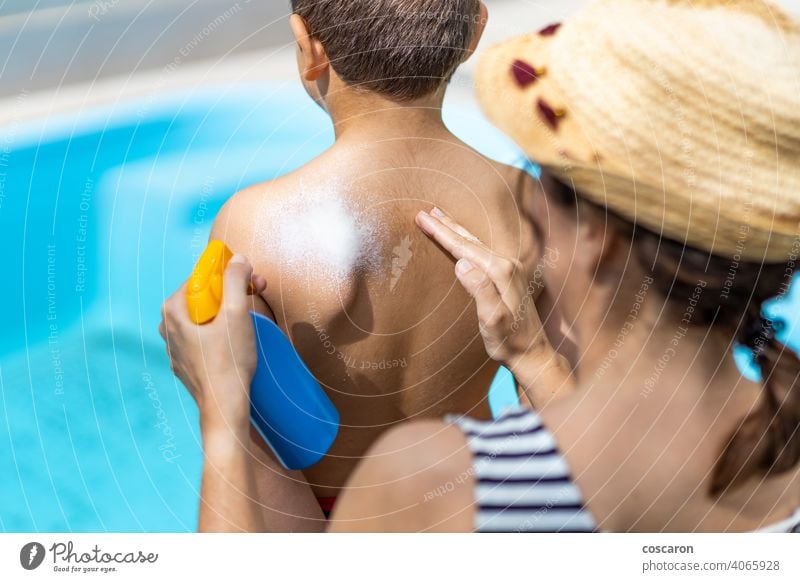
[
  {"x": 259, "y": 284},
  {"x": 488, "y": 301},
  {"x": 239, "y": 276},
  {"x": 499, "y": 285},
  {"x": 236, "y": 284},
  {"x": 456, "y": 227},
  {"x": 505, "y": 273},
  {"x": 457, "y": 245}
]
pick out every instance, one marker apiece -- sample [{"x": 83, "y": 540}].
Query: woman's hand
[
  {"x": 505, "y": 299},
  {"x": 217, "y": 361}
]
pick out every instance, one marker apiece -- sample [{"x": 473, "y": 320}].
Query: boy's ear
[
  {"x": 480, "y": 26},
  {"x": 314, "y": 60}
]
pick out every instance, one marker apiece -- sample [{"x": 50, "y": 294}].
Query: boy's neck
[{"x": 373, "y": 116}]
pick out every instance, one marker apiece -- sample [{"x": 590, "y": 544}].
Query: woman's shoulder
[
  {"x": 510, "y": 420},
  {"x": 518, "y": 442},
  {"x": 417, "y": 477},
  {"x": 520, "y": 427}
]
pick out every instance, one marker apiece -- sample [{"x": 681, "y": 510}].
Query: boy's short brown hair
[{"x": 403, "y": 49}]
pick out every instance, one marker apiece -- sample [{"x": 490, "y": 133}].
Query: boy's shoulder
[
  {"x": 515, "y": 177},
  {"x": 509, "y": 178},
  {"x": 294, "y": 234},
  {"x": 253, "y": 208},
  {"x": 268, "y": 192},
  {"x": 256, "y": 204},
  {"x": 512, "y": 184}
]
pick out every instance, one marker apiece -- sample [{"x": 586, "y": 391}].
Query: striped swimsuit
[{"x": 523, "y": 483}]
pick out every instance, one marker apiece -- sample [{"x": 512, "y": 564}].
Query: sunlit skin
[
  {"x": 642, "y": 463},
  {"x": 390, "y": 161}
]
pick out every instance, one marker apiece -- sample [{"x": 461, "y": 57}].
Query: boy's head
[{"x": 401, "y": 49}]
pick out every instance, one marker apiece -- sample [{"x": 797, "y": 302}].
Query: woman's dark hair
[{"x": 767, "y": 442}]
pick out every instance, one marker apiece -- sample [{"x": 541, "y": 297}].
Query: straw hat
[{"x": 681, "y": 115}]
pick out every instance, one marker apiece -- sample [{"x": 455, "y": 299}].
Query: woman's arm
[
  {"x": 285, "y": 498},
  {"x": 216, "y": 362},
  {"x": 416, "y": 478},
  {"x": 228, "y": 493},
  {"x": 243, "y": 487}
]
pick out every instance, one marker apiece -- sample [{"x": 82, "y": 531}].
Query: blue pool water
[{"x": 102, "y": 216}]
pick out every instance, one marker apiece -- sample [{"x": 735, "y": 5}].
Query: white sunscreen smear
[{"x": 325, "y": 237}]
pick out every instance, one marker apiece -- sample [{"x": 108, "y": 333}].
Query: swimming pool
[{"x": 102, "y": 215}]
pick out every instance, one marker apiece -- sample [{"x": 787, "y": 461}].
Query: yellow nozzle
[{"x": 204, "y": 290}]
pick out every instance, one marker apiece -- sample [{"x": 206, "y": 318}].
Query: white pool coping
[
  {"x": 268, "y": 66},
  {"x": 274, "y": 65},
  {"x": 271, "y": 65}
]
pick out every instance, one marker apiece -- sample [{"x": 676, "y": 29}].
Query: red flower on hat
[
  {"x": 550, "y": 30},
  {"x": 552, "y": 117},
  {"x": 524, "y": 73}
]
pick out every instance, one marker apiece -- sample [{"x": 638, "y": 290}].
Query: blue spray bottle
[{"x": 288, "y": 407}]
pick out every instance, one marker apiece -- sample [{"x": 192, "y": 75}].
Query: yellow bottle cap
[{"x": 204, "y": 289}]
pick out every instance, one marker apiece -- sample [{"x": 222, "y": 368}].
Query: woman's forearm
[
  {"x": 542, "y": 375},
  {"x": 228, "y": 493},
  {"x": 286, "y": 501}
]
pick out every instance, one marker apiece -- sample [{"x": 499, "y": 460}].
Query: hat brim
[{"x": 538, "y": 116}]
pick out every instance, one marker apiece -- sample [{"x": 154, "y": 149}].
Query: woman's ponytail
[{"x": 768, "y": 440}]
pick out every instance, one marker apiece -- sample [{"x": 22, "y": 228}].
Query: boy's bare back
[{"x": 370, "y": 303}]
